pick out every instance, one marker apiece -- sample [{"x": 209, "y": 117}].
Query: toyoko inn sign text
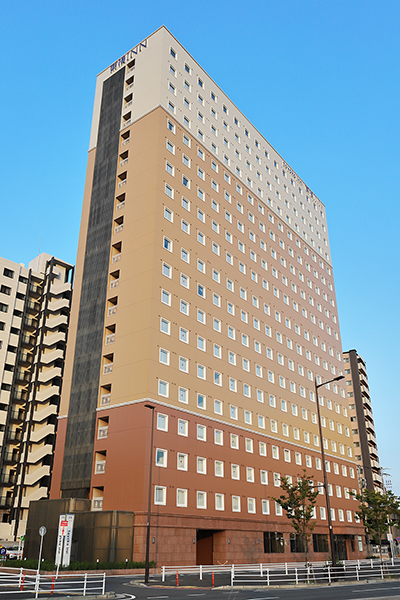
[{"x": 128, "y": 56}]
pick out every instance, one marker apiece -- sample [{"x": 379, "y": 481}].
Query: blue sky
[{"x": 319, "y": 79}]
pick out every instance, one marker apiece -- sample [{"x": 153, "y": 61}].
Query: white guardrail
[
  {"x": 269, "y": 574},
  {"x": 29, "y": 581}
]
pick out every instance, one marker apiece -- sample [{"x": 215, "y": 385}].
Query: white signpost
[{"x": 64, "y": 541}]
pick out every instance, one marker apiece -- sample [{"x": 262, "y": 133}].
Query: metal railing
[
  {"x": 276, "y": 574},
  {"x": 29, "y": 581}
]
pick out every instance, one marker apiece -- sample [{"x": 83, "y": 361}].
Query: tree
[
  {"x": 299, "y": 502},
  {"x": 378, "y": 512}
]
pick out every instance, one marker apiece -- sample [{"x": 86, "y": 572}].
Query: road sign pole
[{"x": 42, "y": 533}]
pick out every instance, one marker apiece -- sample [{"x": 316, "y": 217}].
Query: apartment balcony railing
[
  {"x": 123, "y": 162},
  {"x": 126, "y": 123},
  {"x": 119, "y": 228},
  {"x": 125, "y": 142},
  {"x": 22, "y": 376},
  {"x": 121, "y": 183},
  {"x": 5, "y": 502},
  {"x": 110, "y": 339},
  {"x": 17, "y": 415},
  {"x": 8, "y": 478},
  {"x": 105, "y": 399},
  {"x": 128, "y": 104},
  {"x": 120, "y": 205},
  {"x": 14, "y": 436},
  {"x": 11, "y": 457},
  {"x": 112, "y": 311},
  {"x": 114, "y": 284},
  {"x": 30, "y": 323},
  {"x": 27, "y": 340},
  {"x": 18, "y": 396},
  {"x": 116, "y": 257}
]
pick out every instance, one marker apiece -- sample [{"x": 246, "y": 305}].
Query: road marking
[
  {"x": 376, "y": 590},
  {"x": 153, "y": 597},
  {"x": 196, "y": 594}
]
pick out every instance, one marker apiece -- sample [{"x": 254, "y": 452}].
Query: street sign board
[
  {"x": 64, "y": 540},
  {"x": 3, "y": 551},
  {"x": 42, "y": 530}
]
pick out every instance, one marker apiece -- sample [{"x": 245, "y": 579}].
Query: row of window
[
  {"x": 236, "y": 334},
  {"x": 160, "y": 498},
  {"x": 201, "y": 136},
  {"x": 227, "y": 178}
]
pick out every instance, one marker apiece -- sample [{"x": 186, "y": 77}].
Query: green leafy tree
[
  {"x": 377, "y": 512},
  {"x": 298, "y": 502}
]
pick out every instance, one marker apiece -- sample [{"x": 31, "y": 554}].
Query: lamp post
[
  {"x": 147, "y": 562},
  {"x": 328, "y": 504}
]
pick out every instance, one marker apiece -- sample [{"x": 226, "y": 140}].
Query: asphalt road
[{"x": 129, "y": 590}]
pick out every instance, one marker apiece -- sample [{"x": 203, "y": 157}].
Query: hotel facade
[{"x": 203, "y": 288}]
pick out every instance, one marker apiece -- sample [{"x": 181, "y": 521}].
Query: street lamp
[
  {"x": 147, "y": 562},
  {"x": 328, "y": 504}
]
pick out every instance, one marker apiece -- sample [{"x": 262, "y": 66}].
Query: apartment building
[
  {"x": 204, "y": 289},
  {"x": 34, "y": 314},
  {"x": 362, "y": 422}
]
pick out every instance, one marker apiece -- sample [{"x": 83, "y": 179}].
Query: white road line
[
  {"x": 376, "y": 590},
  {"x": 195, "y": 594}
]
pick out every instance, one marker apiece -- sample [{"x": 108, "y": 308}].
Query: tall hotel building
[
  {"x": 204, "y": 288},
  {"x": 34, "y": 314}
]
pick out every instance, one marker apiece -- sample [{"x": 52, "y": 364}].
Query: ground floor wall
[
  {"x": 180, "y": 540},
  {"x": 177, "y": 540}
]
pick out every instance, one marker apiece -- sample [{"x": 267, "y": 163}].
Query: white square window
[
  {"x": 160, "y": 494},
  {"x": 181, "y": 497},
  {"x": 202, "y": 500},
  {"x": 182, "y": 427}
]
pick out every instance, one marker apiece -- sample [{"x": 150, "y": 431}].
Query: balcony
[
  {"x": 19, "y": 397},
  {"x": 116, "y": 258},
  {"x": 25, "y": 358},
  {"x": 8, "y": 478},
  {"x": 126, "y": 123},
  {"x": 35, "y": 290},
  {"x": 14, "y": 436},
  {"x": 22, "y": 376},
  {"x": 114, "y": 284},
  {"x": 120, "y": 205},
  {"x": 32, "y": 306},
  {"x": 125, "y": 141},
  {"x": 112, "y": 311},
  {"x": 27, "y": 340},
  {"x": 110, "y": 339},
  {"x": 105, "y": 399},
  {"x": 100, "y": 467},
  {"x": 122, "y": 183},
  {"x": 30, "y": 324},
  {"x": 11, "y": 458},
  {"x": 103, "y": 432},
  {"x": 17, "y": 416},
  {"x": 119, "y": 228},
  {"x": 5, "y": 502},
  {"x": 107, "y": 368},
  {"x": 97, "y": 503}
]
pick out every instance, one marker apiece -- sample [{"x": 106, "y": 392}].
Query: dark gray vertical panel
[{"x": 78, "y": 453}]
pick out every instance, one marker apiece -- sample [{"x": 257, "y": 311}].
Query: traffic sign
[
  {"x": 398, "y": 539},
  {"x": 3, "y": 551},
  {"x": 42, "y": 531}
]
